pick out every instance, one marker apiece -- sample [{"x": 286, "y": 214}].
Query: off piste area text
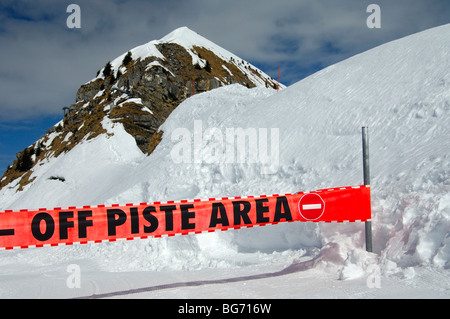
[{"x": 158, "y": 219}]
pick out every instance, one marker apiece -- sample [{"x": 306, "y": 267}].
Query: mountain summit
[{"x": 139, "y": 89}]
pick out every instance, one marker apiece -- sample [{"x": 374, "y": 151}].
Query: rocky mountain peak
[{"x": 139, "y": 89}]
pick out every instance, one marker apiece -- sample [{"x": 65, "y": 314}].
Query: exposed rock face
[
  {"x": 141, "y": 95},
  {"x": 161, "y": 85}
]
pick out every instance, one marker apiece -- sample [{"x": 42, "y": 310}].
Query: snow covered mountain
[
  {"x": 401, "y": 90},
  {"x": 200, "y": 51},
  {"x": 139, "y": 89}
]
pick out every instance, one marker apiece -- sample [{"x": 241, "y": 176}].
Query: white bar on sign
[{"x": 312, "y": 206}]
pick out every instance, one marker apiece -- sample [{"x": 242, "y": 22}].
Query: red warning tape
[{"x": 58, "y": 226}]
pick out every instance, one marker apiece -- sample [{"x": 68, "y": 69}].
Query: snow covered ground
[{"x": 401, "y": 90}]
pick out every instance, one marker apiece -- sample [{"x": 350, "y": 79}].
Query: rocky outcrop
[
  {"x": 140, "y": 95},
  {"x": 160, "y": 84}
]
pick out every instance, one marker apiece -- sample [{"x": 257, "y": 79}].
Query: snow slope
[{"x": 401, "y": 90}]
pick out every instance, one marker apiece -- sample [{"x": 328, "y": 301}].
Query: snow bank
[
  {"x": 91, "y": 169},
  {"x": 319, "y": 119}
]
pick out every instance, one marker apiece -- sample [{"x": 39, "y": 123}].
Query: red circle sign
[{"x": 311, "y": 206}]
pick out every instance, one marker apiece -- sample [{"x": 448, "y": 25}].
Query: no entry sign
[
  {"x": 95, "y": 224},
  {"x": 311, "y": 206}
]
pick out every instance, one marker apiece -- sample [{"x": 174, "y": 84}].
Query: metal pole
[{"x": 366, "y": 172}]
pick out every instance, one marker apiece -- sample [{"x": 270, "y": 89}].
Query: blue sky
[{"x": 43, "y": 62}]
